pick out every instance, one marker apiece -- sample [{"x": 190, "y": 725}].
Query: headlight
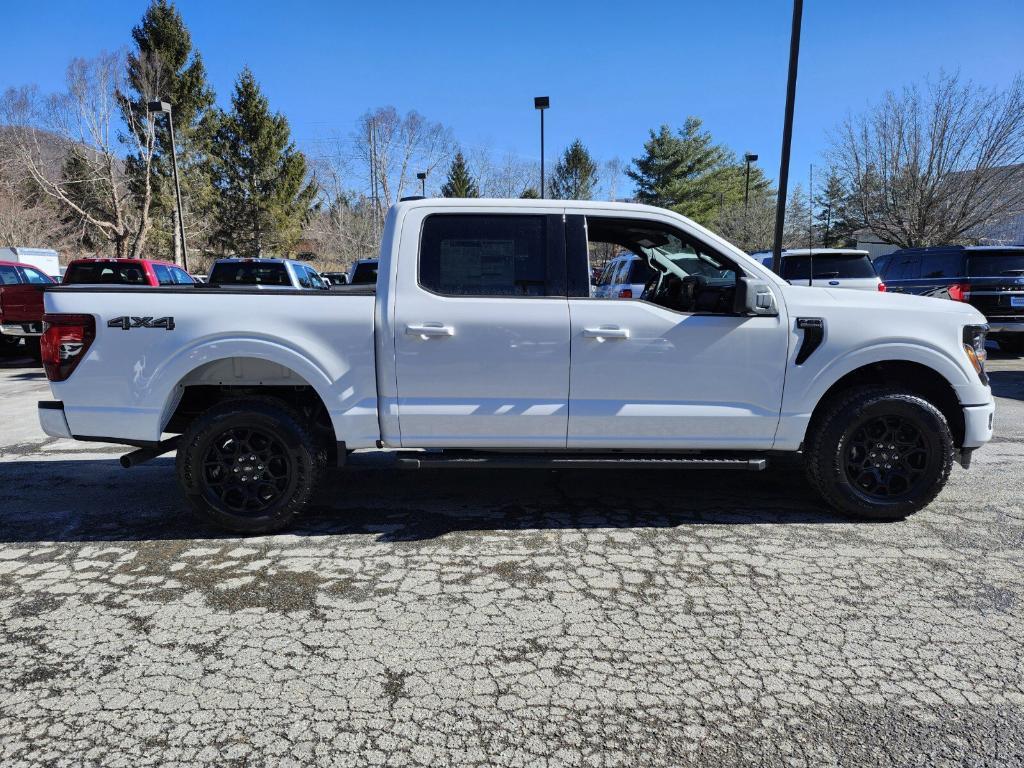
[{"x": 974, "y": 346}]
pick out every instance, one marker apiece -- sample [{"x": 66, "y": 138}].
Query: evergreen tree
[
  {"x": 530, "y": 193},
  {"x": 459, "y": 183},
  {"x": 797, "y": 231},
  {"x": 164, "y": 67},
  {"x": 575, "y": 174},
  {"x": 691, "y": 174},
  {"x": 832, "y": 226},
  {"x": 263, "y": 195}
]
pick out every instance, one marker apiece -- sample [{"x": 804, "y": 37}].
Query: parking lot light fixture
[
  {"x": 541, "y": 103},
  {"x": 422, "y": 176}
]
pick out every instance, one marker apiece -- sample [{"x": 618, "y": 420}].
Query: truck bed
[{"x": 130, "y": 381}]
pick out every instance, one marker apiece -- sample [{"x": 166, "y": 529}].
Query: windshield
[
  {"x": 105, "y": 272},
  {"x": 249, "y": 273},
  {"x": 828, "y": 266},
  {"x": 996, "y": 264}
]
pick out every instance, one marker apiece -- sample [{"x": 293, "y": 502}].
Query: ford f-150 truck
[{"x": 480, "y": 345}]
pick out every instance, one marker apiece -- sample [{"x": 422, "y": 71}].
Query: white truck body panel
[
  {"x": 415, "y": 369},
  {"x": 134, "y": 379}
]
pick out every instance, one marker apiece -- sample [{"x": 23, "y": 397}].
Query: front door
[
  {"x": 689, "y": 375},
  {"x": 482, "y": 331}
]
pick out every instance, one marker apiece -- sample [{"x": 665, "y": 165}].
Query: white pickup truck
[{"x": 481, "y": 346}]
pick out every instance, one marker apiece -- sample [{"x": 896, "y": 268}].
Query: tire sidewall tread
[
  {"x": 266, "y": 413},
  {"x": 823, "y": 459}
]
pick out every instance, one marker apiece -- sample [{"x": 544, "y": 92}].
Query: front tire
[
  {"x": 248, "y": 465},
  {"x": 879, "y": 454}
]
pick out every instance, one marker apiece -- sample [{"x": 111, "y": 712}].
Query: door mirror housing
[{"x": 755, "y": 297}]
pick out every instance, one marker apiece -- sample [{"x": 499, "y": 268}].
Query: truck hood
[{"x": 876, "y": 302}]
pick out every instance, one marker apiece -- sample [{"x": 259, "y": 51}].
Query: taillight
[
  {"x": 626, "y": 293},
  {"x": 960, "y": 291},
  {"x": 66, "y": 339},
  {"x": 881, "y": 287}
]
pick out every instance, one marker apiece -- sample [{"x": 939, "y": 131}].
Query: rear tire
[
  {"x": 248, "y": 465},
  {"x": 879, "y": 454}
]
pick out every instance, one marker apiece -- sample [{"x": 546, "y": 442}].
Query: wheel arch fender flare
[{"x": 175, "y": 373}]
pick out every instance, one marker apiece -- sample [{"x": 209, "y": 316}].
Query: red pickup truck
[
  {"x": 125, "y": 272},
  {"x": 21, "y": 307}
]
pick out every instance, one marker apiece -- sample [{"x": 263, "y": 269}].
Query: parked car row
[{"x": 23, "y": 278}]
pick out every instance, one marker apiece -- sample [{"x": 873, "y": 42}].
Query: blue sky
[{"x": 612, "y": 70}]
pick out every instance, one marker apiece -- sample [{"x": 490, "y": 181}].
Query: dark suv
[{"x": 989, "y": 277}]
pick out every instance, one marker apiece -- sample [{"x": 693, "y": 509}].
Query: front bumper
[
  {"x": 978, "y": 424},
  {"x": 52, "y": 418},
  {"x": 22, "y": 329}
]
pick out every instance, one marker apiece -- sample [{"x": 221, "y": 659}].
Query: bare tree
[
  {"x": 343, "y": 224},
  {"x": 507, "y": 177},
  {"x": 750, "y": 226},
  {"x": 393, "y": 149},
  {"x": 613, "y": 170},
  {"x": 935, "y": 165},
  {"x": 84, "y": 121}
]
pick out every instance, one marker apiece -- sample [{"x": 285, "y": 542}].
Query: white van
[{"x": 45, "y": 259}]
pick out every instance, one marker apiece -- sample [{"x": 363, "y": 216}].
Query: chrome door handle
[
  {"x": 426, "y": 330},
  {"x": 606, "y": 332}
]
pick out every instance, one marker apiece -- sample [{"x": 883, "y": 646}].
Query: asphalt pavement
[{"x": 507, "y": 617}]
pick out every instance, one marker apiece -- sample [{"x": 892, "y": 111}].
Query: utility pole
[
  {"x": 163, "y": 106},
  {"x": 787, "y": 134}
]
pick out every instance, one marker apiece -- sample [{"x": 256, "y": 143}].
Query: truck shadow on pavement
[{"x": 92, "y": 500}]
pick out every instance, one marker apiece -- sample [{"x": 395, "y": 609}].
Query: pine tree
[
  {"x": 797, "y": 227},
  {"x": 263, "y": 195},
  {"x": 530, "y": 193},
  {"x": 691, "y": 174},
  {"x": 832, "y": 225},
  {"x": 164, "y": 67},
  {"x": 459, "y": 183},
  {"x": 575, "y": 174}
]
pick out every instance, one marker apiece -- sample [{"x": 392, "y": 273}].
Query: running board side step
[{"x": 563, "y": 461}]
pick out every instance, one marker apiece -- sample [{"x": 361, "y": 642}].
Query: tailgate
[{"x": 21, "y": 303}]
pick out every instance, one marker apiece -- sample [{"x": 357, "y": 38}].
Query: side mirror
[{"x": 754, "y": 297}]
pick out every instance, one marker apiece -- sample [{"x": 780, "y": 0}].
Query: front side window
[
  {"x": 35, "y": 277},
  {"x": 163, "y": 274},
  {"x": 484, "y": 255},
  {"x": 302, "y": 275},
  {"x": 675, "y": 271}
]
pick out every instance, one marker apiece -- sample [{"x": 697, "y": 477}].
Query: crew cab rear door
[
  {"x": 481, "y": 329},
  {"x": 649, "y": 377}
]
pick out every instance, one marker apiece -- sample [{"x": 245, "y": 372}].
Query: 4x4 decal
[{"x": 127, "y": 323}]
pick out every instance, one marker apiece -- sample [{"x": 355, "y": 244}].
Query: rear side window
[
  {"x": 482, "y": 255},
  {"x": 249, "y": 273},
  {"x": 9, "y": 276},
  {"x": 827, "y": 266},
  {"x": 941, "y": 265},
  {"x": 997, "y": 264},
  {"x": 106, "y": 273}
]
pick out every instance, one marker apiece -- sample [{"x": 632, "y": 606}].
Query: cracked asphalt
[{"x": 507, "y": 617}]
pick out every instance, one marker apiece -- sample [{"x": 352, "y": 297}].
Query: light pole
[
  {"x": 787, "y": 135},
  {"x": 163, "y": 106},
  {"x": 749, "y": 158},
  {"x": 422, "y": 176},
  {"x": 541, "y": 103}
]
